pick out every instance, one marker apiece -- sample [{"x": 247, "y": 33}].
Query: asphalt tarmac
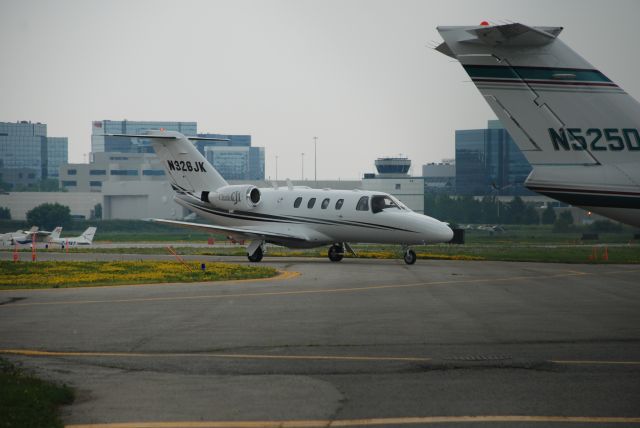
[{"x": 355, "y": 343}]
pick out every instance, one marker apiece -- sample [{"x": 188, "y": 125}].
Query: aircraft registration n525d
[
  {"x": 578, "y": 129},
  {"x": 295, "y": 217}
]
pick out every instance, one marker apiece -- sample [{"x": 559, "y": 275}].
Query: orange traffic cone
[{"x": 605, "y": 255}]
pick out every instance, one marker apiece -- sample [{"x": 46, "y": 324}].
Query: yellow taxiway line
[
  {"x": 368, "y": 422},
  {"x": 38, "y": 353}
]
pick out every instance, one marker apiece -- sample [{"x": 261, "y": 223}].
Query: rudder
[{"x": 556, "y": 106}]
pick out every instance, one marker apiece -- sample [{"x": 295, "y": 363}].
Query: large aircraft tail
[
  {"x": 556, "y": 106},
  {"x": 89, "y": 234},
  {"x": 185, "y": 166}
]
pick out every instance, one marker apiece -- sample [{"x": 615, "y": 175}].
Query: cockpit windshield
[
  {"x": 399, "y": 203},
  {"x": 385, "y": 202}
]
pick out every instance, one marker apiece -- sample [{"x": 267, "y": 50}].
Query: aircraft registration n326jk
[{"x": 295, "y": 217}]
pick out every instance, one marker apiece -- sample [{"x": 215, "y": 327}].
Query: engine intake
[{"x": 234, "y": 197}]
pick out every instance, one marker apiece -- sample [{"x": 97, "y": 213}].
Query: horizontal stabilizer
[
  {"x": 165, "y": 137},
  {"x": 233, "y": 231},
  {"x": 515, "y": 34}
]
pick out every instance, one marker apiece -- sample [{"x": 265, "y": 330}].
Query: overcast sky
[{"x": 359, "y": 75}]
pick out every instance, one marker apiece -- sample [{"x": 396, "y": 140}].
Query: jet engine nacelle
[{"x": 234, "y": 197}]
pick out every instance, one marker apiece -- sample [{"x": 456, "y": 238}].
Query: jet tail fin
[
  {"x": 89, "y": 233},
  {"x": 557, "y": 107},
  {"x": 185, "y": 166}
]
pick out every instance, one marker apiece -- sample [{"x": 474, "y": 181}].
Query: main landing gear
[
  {"x": 256, "y": 256},
  {"x": 255, "y": 251},
  {"x": 409, "y": 255},
  {"x": 336, "y": 252}
]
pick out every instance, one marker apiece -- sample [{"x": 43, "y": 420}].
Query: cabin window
[
  {"x": 382, "y": 202},
  {"x": 363, "y": 204},
  {"x": 339, "y": 203},
  {"x": 297, "y": 203},
  {"x": 311, "y": 203},
  {"x": 325, "y": 204}
]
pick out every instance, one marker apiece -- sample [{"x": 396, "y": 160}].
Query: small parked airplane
[
  {"x": 296, "y": 217},
  {"x": 22, "y": 237},
  {"x": 578, "y": 129},
  {"x": 85, "y": 239}
]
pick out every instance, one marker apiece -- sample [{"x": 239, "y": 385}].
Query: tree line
[{"x": 488, "y": 210}]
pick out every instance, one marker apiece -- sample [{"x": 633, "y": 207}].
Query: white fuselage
[
  {"x": 323, "y": 223},
  {"x": 79, "y": 240},
  {"x": 609, "y": 190}
]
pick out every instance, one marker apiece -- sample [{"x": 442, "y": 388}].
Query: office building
[
  {"x": 104, "y": 143},
  {"x": 28, "y": 155},
  {"x": 235, "y": 159},
  {"x": 115, "y": 167},
  {"x": 440, "y": 177},
  {"x": 132, "y": 179},
  {"x": 488, "y": 162}
]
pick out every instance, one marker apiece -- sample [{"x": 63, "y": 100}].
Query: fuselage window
[
  {"x": 380, "y": 202},
  {"x": 325, "y": 204},
  {"x": 363, "y": 204},
  {"x": 339, "y": 203},
  {"x": 297, "y": 203},
  {"x": 311, "y": 203}
]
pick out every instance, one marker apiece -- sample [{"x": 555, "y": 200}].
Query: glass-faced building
[
  {"x": 27, "y": 155},
  {"x": 103, "y": 143},
  {"x": 488, "y": 162},
  {"x": 234, "y": 159}
]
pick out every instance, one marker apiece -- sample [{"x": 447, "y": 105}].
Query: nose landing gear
[
  {"x": 409, "y": 255},
  {"x": 336, "y": 252}
]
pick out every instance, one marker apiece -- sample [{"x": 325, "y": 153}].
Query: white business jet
[
  {"x": 577, "y": 128},
  {"x": 296, "y": 217}
]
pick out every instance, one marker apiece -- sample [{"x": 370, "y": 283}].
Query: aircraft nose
[{"x": 445, "y": 232}]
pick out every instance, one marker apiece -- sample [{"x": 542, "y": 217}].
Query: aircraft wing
[
  {"x": 39, "y": 234},
  {"x": 235, "y": 231}
]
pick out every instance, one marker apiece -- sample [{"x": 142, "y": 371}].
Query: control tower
[
  {"x": 393, "y": 177},
  {"x": 393, "y": 167}
]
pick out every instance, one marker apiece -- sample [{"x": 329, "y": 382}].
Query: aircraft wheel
[
  {"x": 256, "y": 256},
  {"x": 335, "y": 253},
  {"x": 410, "y": 257}
]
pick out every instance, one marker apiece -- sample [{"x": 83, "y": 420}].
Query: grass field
[
  {"x": 75, "y": 274},
  {"x": 26, "y": 401}
]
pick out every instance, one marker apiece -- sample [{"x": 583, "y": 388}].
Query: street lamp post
[{"x": 315, "y": 160}]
